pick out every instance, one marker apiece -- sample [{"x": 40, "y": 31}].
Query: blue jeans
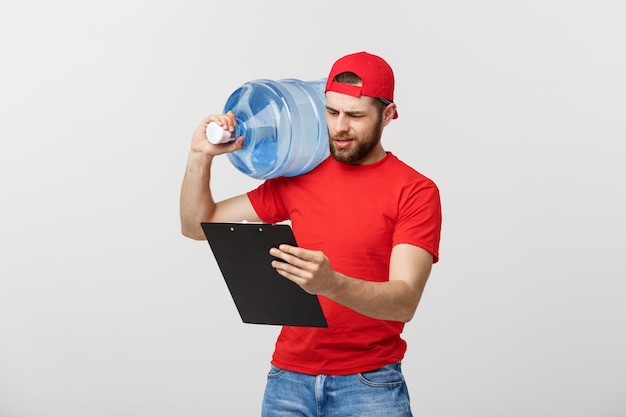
[{"x": 379, "y": 393}]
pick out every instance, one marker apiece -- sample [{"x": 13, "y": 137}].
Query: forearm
[
  {"x": 196, "y": 201},
  {"x": 395, "y": 298},
  {"x": 388, "y": 300}
]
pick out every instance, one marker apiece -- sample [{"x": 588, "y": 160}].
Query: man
[{"x": 367, "y": 227}]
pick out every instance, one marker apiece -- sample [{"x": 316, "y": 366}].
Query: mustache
[{"x": 342, "y": 136}]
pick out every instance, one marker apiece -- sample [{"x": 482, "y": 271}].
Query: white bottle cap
[{"x": 217, "y": 134}]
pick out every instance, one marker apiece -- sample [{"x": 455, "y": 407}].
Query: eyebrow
[{"x": 350, "y": 112}]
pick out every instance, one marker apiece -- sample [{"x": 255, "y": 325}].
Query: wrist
[{"x": 200, "y": 157}]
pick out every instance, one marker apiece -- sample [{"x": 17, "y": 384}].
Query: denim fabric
[{"x": 378, "y": 393}]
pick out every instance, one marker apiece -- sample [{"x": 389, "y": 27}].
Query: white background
[{"x": 517, "y": 109}]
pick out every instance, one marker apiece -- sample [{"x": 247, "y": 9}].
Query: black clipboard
[{"x": 261, "y": 295}]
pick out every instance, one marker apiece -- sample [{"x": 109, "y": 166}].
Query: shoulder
[{"x": 406, "y": 173}]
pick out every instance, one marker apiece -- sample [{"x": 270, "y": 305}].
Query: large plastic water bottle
[{"x": 283, "y": 124}]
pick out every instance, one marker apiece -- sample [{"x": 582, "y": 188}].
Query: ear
[{"x": 388, "y": 113}]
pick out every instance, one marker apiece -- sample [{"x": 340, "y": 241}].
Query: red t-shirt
[{"x": 355, "y": 214}]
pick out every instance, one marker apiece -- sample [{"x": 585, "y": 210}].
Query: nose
[{"x": 341, "y": 123}]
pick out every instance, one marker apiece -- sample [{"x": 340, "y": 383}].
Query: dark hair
[
  {"x": 353, "y": 79},
  {"x": 348, "y": 78}
]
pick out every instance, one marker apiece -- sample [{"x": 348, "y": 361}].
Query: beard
[{"x": 361, "y": 147}]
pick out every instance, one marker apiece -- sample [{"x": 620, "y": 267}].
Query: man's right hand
[{"x": 200, "y": 143}]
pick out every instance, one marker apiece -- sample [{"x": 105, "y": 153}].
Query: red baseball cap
[{"x": 375, "y": 73}]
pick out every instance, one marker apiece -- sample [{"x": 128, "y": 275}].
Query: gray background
[{"x": 516, "y": 109}]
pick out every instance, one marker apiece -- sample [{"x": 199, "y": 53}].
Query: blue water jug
[{"x": 283, "y": 124}]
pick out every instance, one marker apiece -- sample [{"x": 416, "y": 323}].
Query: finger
[
  {"x": 226, "y": 121},
  {"x": 303, "y": 254},
  {"x": 300, "y": 266},
  {"x": 283, "y": 252},
  {"x": 232, "y": 146},
  {"x": 292, "y": 272},
  {"x": 222, "y": 148},
  {"x": 287, "y": 270},
  {"x": 296, "y": 275},
  {"x": 296, "y": 251}
]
